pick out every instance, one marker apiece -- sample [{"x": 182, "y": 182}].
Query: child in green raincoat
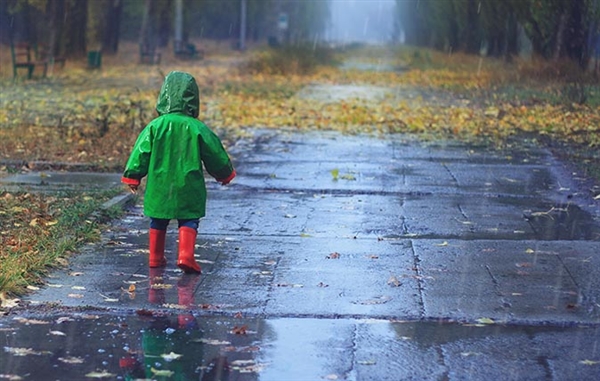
[{"x": 170, "y": 152}]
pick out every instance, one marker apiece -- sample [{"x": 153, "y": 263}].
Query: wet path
[{"x": 335, "y": 257}]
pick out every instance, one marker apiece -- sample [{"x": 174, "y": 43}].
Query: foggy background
[{"x": 370, "y": 21}]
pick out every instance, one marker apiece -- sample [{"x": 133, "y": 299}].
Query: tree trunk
[
  {"x": 96, "y": 25},
  {"x": 113, "y": 25},
  {"x": 560, "y": 36},
  {"x": 147, "y": 30},
  {"x": 73, "y": 40}
]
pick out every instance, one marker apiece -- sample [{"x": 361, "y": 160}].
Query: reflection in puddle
[
  {"x": 183, "y": 346},
  {"x": 563, "y": 222}
]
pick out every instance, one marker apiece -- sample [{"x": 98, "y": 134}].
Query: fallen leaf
[
  {"x": 8, "y": 303},
  {"x": 334, "y": 255},
  {"x": 103, "y": 374},
  {"x": 485, "y": 321},
  {"x": 377, "y": 300},
  {"x": 71, "y": 360},
  {"x": 589, "y": 362},
  {"x": 131, "y": 288},
  {"x": 58, "y": 333},
  {"x": 171, "y": 356},
  {"x": 162, "y": 373},
  {"x": 32, "y": 321},
  {"x": 76, "y": 296},
  {"x": 393, "y": 281},
  {"x": 239, "y": 330},
  {"x": 213, "y": 341},
  {"x": 445, "y": 243},
  {"x": 367, "y": 362},
  {"x": 25, "y": 351}
]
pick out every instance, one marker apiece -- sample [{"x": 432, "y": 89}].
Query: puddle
[
  {"x": 562, "y": 222},
  {"x": 185, "y": 346},
  {"x": 336, "y": 93},
  {"x": 378, "y": 66},
  {"x": 64, "y": 180}
]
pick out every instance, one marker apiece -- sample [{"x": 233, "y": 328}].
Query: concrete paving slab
[{"x": 451, "y": 263}]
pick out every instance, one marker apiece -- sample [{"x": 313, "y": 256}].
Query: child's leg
[
  {"x": 187, "y": 241},
  {"x": 157, "y": 233}
]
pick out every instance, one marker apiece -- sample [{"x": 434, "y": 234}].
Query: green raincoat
[{"x": 170, "y": 152}]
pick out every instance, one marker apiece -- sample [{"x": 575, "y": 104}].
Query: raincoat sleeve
[
  {"x": 215, "y": 158},
  {"x": 137, "y": 165}
]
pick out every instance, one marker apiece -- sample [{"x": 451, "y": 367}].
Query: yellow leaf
[
  {"x": 445, "y": 243},
  {"x": 589, "y": 362},
  {"x": 485, "y": 321},
  {"x": 103, "y": 374},
  {"x": 171, "y": 356},
  {"x": 131, "y": 288},
  {"x": 51, "y": 223}
]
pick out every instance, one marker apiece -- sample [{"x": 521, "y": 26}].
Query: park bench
[
  {"x": 187, "y": 50},
  {"x": 149, "y": 55},
  {"x": 23, "y": 57},
  {"x": 42, "y": 54}
]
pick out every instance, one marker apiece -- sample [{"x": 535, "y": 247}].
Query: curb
[{"x": 120, "y": 201}]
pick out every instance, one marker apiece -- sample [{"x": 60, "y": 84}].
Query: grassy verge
[{"x": 38, "y": 232}]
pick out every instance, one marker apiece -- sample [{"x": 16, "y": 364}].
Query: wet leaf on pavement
[
  {"x": 103, "y": 374},
  {"x": 10, "y": 377},
  {"x": 374, "y": 301},
  {"x": 485, "y": 321},
  {"x": 589, "y": 362},
  {"x": 31, "y": 321},
  {"x": 58, "y": 333},
  {"x": 25, "y": 351},
  {"x": 213, "y": 341},
  {"x": 240, "y": 330},
  {"x": 171, "y": 356},
  {"x": 393, "y": 281},
  {"x": 71, "y": 360},
  {"x": 367, "y": 362},
  {"x": 334, "y": 255},
  {"x": 162, "y": 373}
]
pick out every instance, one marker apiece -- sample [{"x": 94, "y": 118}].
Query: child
[{"x": 170, "y": 151}]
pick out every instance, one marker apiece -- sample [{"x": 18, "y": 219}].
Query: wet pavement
[{"x": 337, "y": 257}]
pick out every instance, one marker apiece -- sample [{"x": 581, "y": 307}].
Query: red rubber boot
[
  {"x": 157, "y": 248},
  {"x": 187, "y": 241}
]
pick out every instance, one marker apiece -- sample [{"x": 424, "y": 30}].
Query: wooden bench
[
  {"x": 149, "y": 55},
  {"x": 187, "y": 50},
  {"x": 41, "y": 54},
  {"x": 23, "y": 57}
]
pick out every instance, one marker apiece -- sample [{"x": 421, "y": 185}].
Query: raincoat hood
[{"x": 179, "y": 94}]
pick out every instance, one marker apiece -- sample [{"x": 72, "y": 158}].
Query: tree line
[
  {"x": 74, "y": 27},
  {"x": 555, "y": 28}
]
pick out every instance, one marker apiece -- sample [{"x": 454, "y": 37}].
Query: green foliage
[{"x": 292, "y": 59}]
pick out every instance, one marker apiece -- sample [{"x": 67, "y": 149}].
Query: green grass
[{"x": 39, "y": 232}]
